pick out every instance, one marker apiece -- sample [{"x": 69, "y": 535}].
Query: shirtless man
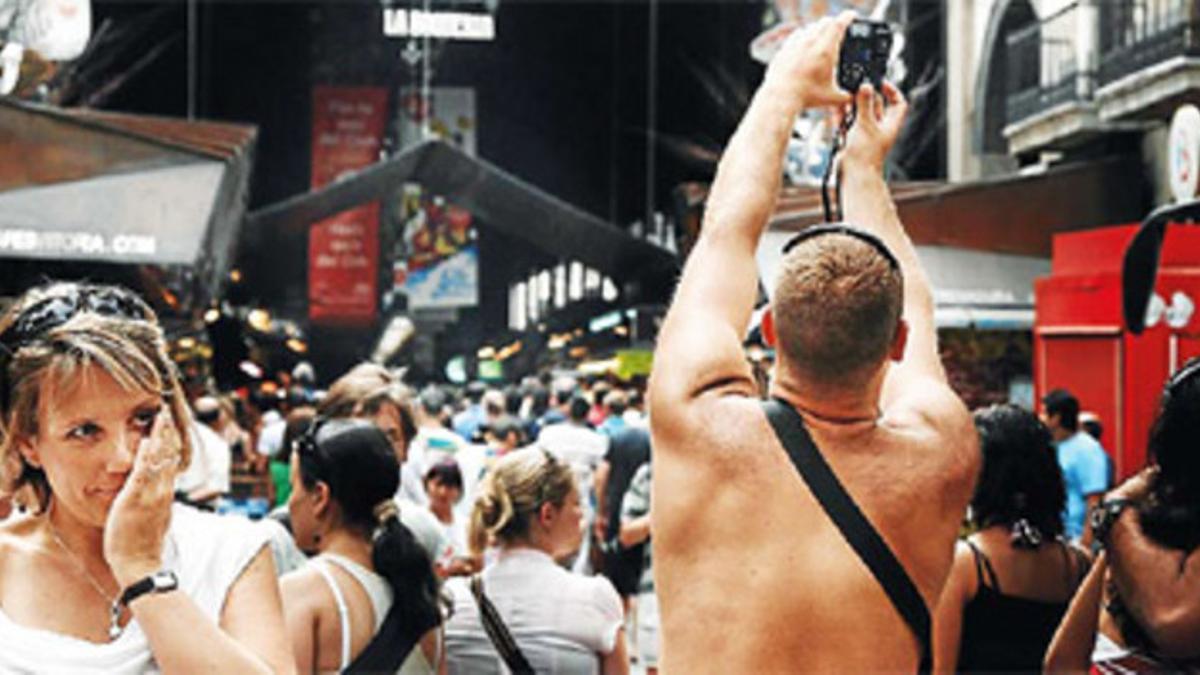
[{"x": 752, "y": 574}]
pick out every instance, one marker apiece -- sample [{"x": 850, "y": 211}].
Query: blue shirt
[{"x": 1085, "y": 472}]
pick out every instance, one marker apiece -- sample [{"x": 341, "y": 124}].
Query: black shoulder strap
[
  {"x": 498, "y": 633},
  {"x": 850, "y": 521}
]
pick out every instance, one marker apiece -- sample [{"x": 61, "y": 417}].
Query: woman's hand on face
[{"x": 138, "y": 519}]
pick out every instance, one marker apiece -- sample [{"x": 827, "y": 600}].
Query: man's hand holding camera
[{"x": 802, "y": 74}]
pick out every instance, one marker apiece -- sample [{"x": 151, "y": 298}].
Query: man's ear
[
  {"x": 900, "y": 341},
  {"x": 768, "y": 327}
]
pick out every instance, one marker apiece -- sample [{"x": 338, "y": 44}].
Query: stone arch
[{"x": 991, "y": 83}]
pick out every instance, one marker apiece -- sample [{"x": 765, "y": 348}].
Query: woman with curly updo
[
  {"x": 103, "y": 572},
  {"x": 524, "y": 610}
]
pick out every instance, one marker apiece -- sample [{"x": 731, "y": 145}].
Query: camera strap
[{"x": 839, "y": 139}]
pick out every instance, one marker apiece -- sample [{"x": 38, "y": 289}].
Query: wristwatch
[
  {"x": 162, "y": 581},
  {"x": 159, "y": 582},
  {"x": 1104, "y": 515}
]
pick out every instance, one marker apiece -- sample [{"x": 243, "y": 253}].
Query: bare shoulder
[
  {"x": 929, "y": 411},
  {"x": 712, "y": 432},
  {"x": 303, "y": 589}
]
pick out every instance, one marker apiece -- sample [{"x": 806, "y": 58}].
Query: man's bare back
[{"x": 752, "y": 575}]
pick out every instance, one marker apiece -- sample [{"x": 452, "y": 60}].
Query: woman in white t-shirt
[
  {"x": 103, "y": 573},
  {"x": 562, "y": 623}
]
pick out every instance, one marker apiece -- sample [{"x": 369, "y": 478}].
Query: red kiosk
[{"x": 1081, "y": 343}]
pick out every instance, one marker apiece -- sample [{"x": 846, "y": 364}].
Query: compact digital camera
[{"x": 864, "y": 55}]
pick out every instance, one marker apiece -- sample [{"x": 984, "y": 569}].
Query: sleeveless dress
[
  {"x": 380, "y": 594},
  {"x": 1002, "y": 632},
  {"x": 207, "y": 552}
]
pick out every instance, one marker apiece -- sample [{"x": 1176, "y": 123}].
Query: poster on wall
[
  {"x": 435, "y": 252},
  {"x": 343, "y": 250},
  {"x": 447, "y": 113}
]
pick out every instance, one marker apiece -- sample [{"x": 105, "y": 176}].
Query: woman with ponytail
[
  {"x": 524, "y": 610},
  {"x": 1011, "y": 580},
  {"x": 369, "y": 596}
]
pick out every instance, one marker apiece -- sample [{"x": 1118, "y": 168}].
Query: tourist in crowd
[
  {"x": 628, "y": 451},
  {"x": 615, "y": 403},
  {"x": 1011, "y": 580},
  {"x": 634, "y": 536},
  {"x": 468, "y": 421},
  {"x": 369, "y": 596},
  {"x": 370, "y": 391},
  {"x": 1084, "y": 463},
  {"x": 444, "y": 485},
  {"x": 582, "y": 448},
  {"x": 559, "y": 622},
  {"x": 433, "y": 442},
  {"x": 1139, "y": 609},
  {"x": 208, "y": 475},
  {"x": 104, "y": 573},
  {"x": 862, "y": 401}
]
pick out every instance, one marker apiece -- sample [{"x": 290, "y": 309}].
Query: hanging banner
[
  {"x": 343, "y": 250},
  {"x": 435, "y": 255}
]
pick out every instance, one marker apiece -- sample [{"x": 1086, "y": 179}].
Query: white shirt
[
  {"x": 561, "y": 621},
  {"x": 270, "y": 440},
  {"x": 211, "y": 462},
  {"x": 207, "y": 552}
]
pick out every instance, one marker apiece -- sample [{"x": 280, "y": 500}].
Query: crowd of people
[{"x": 858, "y": 519}]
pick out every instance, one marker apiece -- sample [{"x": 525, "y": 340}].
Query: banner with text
[{"x": 343, "y": 250}]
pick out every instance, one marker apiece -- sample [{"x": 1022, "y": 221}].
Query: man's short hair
[
  {"x": 433, "y": 400},
  {"x": 579, "y": 408},
  {"x": 616, "y": 402},
  {"x": 837, "y": 306},
  {"x": 1064, "y": 404}
]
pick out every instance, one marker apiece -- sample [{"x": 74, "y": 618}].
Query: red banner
[{"x": 343, "y": 251}]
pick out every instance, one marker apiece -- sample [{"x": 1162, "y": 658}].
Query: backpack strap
[
  {"x": 497, "y": 632},
  {"x": 851, "y": 523}
]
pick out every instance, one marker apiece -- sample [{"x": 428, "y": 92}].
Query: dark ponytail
[
  {"x": 355, "y": 459},
  {"x": 398, "y": 557}
]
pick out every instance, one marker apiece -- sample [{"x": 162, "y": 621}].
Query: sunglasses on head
[
  {"x": 49, "y": 313},
  {"x": 840, "y": 228}
]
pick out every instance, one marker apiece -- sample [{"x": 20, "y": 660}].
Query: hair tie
[
  {"x": 386, "y": 510},
  {"x": 1025, "y": 535}
]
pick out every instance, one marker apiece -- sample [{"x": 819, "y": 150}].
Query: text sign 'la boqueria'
[{"x": 445, "y": 25}]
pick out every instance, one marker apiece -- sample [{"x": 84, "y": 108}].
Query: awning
[
  {"x": 1017, "y": 214},
  {"x": 106, "y": 187},
  {"x": 499, "y": 200}
]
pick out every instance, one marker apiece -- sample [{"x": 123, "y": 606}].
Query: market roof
[
  {"x": 499, "y": 200},
  {"x": 111, "y": 187},
  {"x": 1016, "y": 214}
]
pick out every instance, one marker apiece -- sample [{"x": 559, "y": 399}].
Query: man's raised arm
[
  {"x": 700, "y": 344},
  {"x": 869, "y": 206}
]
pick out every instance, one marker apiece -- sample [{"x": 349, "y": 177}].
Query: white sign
[
  {"x": 445, "y": 25},
  {"x": 1183, "y": 153}
]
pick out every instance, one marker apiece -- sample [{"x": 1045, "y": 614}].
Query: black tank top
[{"x": 1006, "y": 632}]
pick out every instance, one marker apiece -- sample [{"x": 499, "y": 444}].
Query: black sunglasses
[
  {"x": 49, "y": 313},
  {"x": 841, "y": 228}
]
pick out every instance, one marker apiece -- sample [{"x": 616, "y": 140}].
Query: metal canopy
[
  {"x": 106, "y": 187},
  {"x": 499, "y": 200}
]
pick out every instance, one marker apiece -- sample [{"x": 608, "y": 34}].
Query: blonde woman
[
  {"x": 553, "y": 621},
  {"x": 104, "y": 573}
]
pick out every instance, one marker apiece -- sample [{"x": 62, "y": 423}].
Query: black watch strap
[
  {"x": 159, "y": 582},
  {"x": 1104, "y": 515}
]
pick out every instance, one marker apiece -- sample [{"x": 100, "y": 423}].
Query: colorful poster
[
  {"x": 447, "y": 113},
  {"x": 343, "y": 251},
  {"x": 435, "y": 253}
]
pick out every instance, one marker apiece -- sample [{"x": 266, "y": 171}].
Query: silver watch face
[{"x": 164, "y": 581}]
